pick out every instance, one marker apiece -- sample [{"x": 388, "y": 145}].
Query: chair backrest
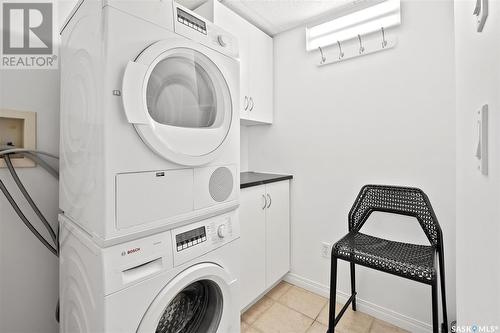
[{"x": 397, "y": 200}]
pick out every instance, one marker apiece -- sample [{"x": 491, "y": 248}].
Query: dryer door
[
  {"x": 198, "y": 300},
  {"x": 178, "y": 100}
]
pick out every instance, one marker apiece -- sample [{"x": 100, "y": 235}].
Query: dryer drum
[
  {"x": 196, "y": 309},
  {"x": 181, "y": 93}
]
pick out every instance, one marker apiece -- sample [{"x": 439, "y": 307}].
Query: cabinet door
[
  {"x": 277, "y": 231},
  {"x": 253, "y": 244},
  {"x": 261, "y": 77},
  {"x": 239, "y": 27}
]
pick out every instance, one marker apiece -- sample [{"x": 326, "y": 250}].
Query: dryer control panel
[
  {"x": 196, "y": 239},
  {"x": 193, "y": 26},
  {"x": 191, "y": 21}
]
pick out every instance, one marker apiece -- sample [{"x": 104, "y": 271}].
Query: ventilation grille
[{"x": 221, "y": 184}]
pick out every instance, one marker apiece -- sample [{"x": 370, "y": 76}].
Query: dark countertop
[{"x": 248, "y": 179}]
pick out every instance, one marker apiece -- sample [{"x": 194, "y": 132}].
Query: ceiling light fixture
[{"x": 385, "y": 14}]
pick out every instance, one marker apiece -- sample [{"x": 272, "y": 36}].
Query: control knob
[
  {"x": 222, "y": 40},
  {"x": 221, "y": 231}
]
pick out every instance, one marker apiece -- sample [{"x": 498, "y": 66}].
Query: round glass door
[
  {"x": 200, "y": 299},
  {"x": 181, "y": 93},
  {"x": 179, "y": 101},
  {"x": 196, "y": 309}
]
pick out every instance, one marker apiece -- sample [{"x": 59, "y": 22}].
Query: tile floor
[{"x": 290, "y": 309}]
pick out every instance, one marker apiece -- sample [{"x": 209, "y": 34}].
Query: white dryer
[
  {"x": 183, "y": 280},
  {"x": 149, "y": 121}
]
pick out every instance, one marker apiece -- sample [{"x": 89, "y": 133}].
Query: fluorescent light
[{"x": 365, "y": 21}]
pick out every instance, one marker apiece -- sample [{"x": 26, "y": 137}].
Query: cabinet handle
[
  {"x": 270, "y": 201},
  {"x": 265, "y": 201},
  {"x": 245, "y": 104},
  {"x": 251, "y": 103}
]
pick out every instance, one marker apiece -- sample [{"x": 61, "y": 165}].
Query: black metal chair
[{"x": 411, "y": 261}]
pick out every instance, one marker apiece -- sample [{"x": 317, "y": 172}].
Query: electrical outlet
[{"x": 326, "y": 249}]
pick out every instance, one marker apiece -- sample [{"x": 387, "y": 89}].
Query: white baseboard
[{"x": 390, "y": 316}]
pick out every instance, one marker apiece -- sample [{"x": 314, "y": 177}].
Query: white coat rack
[{"x": 339, "y": 53}]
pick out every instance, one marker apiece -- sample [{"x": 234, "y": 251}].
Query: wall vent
[{"x": 221, "y": 184}]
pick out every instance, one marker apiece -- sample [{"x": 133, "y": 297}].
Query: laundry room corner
[
  {"x": 25, "y": 264},
  {"x": 32, "y": 270},
  {"x": 372, "y": 119},
  {"x": 249, "y": 166}
]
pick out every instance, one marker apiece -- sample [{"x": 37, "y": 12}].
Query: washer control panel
[
  {"x": 196, "y": 239},
  {"x": 191, "y": 238}
]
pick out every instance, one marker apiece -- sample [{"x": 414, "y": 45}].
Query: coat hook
[
  {"x": 323, "y": 58},
  {"x": 477, "y": 9},
  {"x": 361, "y": 48},
  {"x": 384, "y": 42},
  {"x": 341, "y": 54}
]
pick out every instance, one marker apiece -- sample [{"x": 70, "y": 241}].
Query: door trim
[
  {"x": 165, "y": 139},
  {"x": 202, "y": 271}
]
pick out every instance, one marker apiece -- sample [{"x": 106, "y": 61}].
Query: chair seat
[{"x": 412, "y": 261}]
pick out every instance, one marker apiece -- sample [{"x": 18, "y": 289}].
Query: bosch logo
[{"x": 137, "y": 249}]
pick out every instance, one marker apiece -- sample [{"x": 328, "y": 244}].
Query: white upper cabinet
[
  {"x": 260, "y": 74},
  {"x": 256, "y": 63}
]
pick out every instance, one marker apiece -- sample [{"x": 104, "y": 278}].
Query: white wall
[
  {"x": 478, "y": 209},
  {"x": 243, "y": 148},
  {"x": 28, "y": 272},
  {"x": 29, "y": 284},
  {"x": 386, "y": 118}
]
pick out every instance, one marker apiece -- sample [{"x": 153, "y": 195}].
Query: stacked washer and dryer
[{"x": 149, "y": 170}]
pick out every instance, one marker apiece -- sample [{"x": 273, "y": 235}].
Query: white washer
[
  {"x": 149, "y": 120},
  {"x": 183, "y": 280}
]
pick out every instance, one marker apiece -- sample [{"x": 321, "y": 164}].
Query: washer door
[
  {"x": 178, "y": 100},
  {"x": 198, "y": 300}
]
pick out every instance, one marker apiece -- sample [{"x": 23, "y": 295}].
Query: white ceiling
[
  {"x": 275, "y": 16},
  {"x": 272, "y": 16},
  {"x": 191, "y": 4}
]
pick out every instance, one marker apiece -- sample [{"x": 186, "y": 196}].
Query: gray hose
[
  {"x": 22, "y": 150},
  {"x": 25, "y": 220},
  {"x": 29, "y": 199},
  {"x": 54, "y": 172},
  {"x": 33, "y": 154}
]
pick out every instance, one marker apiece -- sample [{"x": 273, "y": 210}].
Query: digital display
[
  {"x": 190, "y": 238},
  {"x": 191, "y": 21}
]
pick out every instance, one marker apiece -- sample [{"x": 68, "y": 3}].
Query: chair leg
[
  {"x": 435, "y": 312},
  {"x": 443, "y": 290},
  {"x": 333, "y": 295},
  {"x": 353, "y": 285}
]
